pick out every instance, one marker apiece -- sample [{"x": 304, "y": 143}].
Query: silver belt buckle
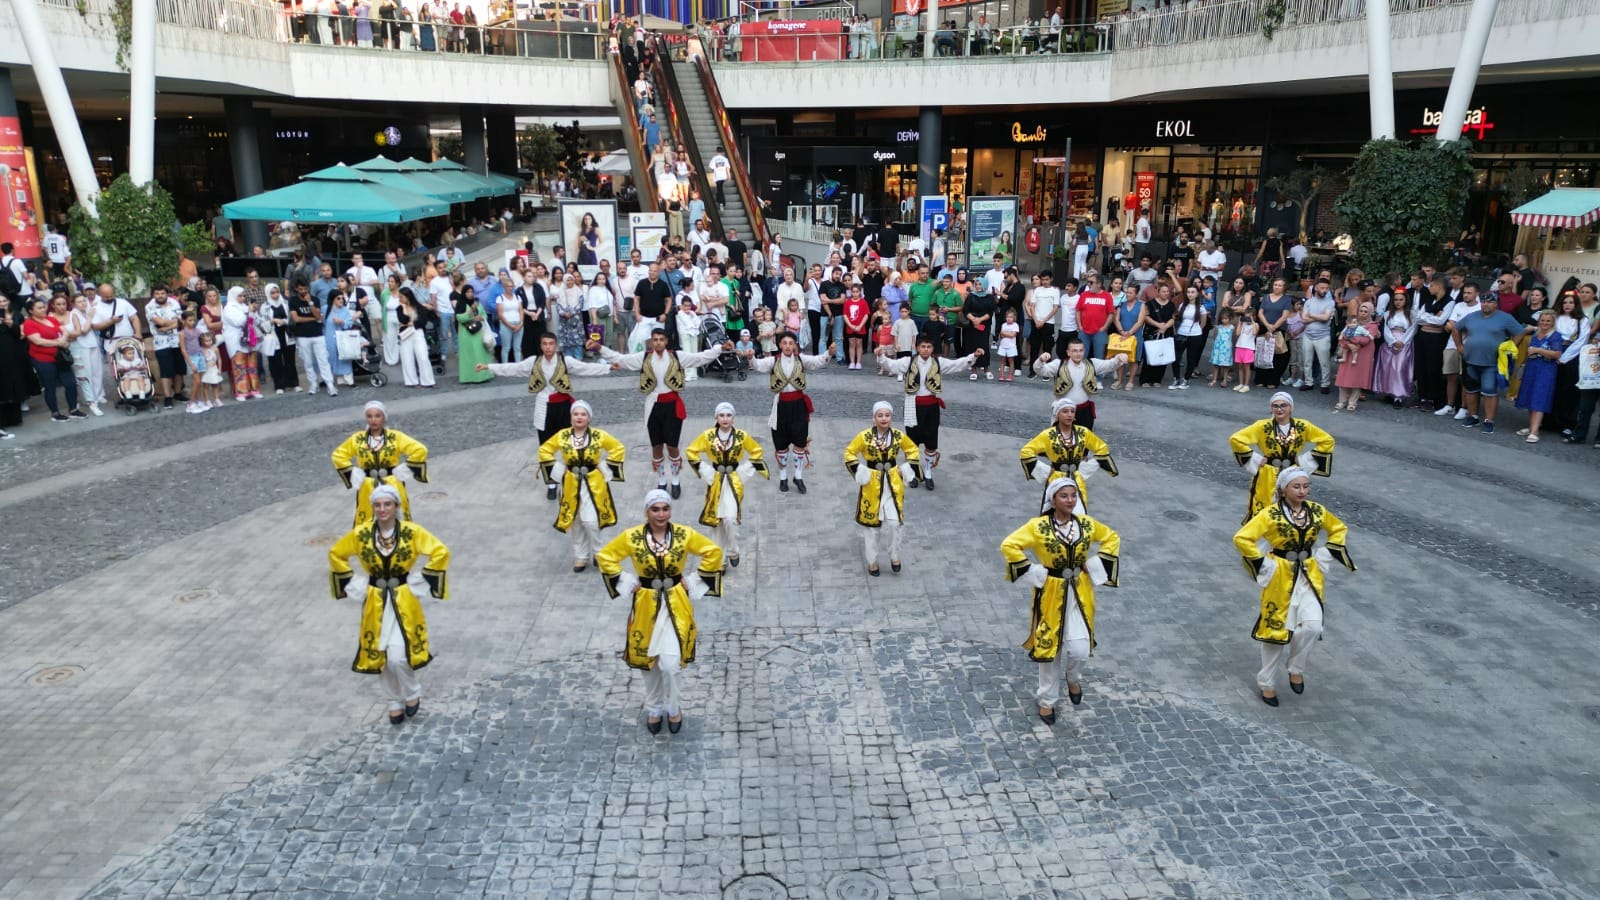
[{"x": 658, "y": 583}]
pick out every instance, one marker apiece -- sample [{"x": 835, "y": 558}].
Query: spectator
[
  {"x": 1316, "y": 342},
  {"x": 47, "y": 341},
  {"x": 88, "y": 365},
  {"x": 1478, "y": 338}
]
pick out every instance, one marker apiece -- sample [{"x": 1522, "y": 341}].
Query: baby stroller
[
  {"x": 131, "y": 371},
  {"x": 728, "y": 364},
  {"x": 370, "y": 364}
]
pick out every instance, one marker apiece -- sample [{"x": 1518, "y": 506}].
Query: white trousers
[
  {"x": 727, "y": 536},
  {"x": 1068, "y": 664},
  {"x": 661, "y": 687},
  {"x": 399, "y": 681},
  {"x": 887, "y": 535},
  {"x": 89, "y": 368},
  {"x": 314, "y": 355},
  {"x": 1305, "y": 621},
  {"x": 1318, "y": 349},
  {"x": 414, "y": 365},
  {"x": 585, "y": 540}
]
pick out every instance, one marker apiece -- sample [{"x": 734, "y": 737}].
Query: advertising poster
[
  {"x": 933, "y": 213},
  {"x": 19, "y": 216},
  {"x": 1144, "y": 190},
  {"x": 648, "y": 231},
  {"x": 589, "y": 234},
  {"x": 993, "y": 229}
]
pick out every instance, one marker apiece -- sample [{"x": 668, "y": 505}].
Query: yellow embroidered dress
[
  {"x": 1293, "y": 574},
  {"x": 581, "y": 474},
  {"x": 389, "y": 602},
  {"x": 660, "y": 588},
  {"x": 1053, "y": 453},
  {"x": 878, "y": 453},
  {"x": 726, "y": 485},
  {"x": 377, "y": 458},
  {"x": 1299, "y": 444},
  {"x": 1071, "y": 568}
]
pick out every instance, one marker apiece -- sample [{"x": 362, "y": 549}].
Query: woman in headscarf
[
  {"x": 580, "y": 460},
  {"x": 661, "y": 591},
  {"x": 1291, "y": 579},
  {"x": 240, "y": 338},
  {"x": 470, "y": 348},
  {"x": 1271, "y": 445},
  {"x": 341, "y": 317},
  {"x": 378, "y": 451},
  {"x": 278, "y": 344},
  {"x": 394, "y": 635},
  {"x": 724, "y": 457},
  {"x": 1072, "y": 553},
  {"x": 1062, "y": 451},
  {"x": 872, "y": 458}
]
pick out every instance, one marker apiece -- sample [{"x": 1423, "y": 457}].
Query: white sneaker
[
  {"x": 332, "y": 392},
  {"x": 1173, "y": 386},
  {"x": 279, "y": 392},
  {"x": 1444, "y": 410},
  {"x": 313, "y": 390},
  {"x": 1183, "y": 385},
  {"x": 1462, "y": 414},
  {"x": 95, "y": 408}
]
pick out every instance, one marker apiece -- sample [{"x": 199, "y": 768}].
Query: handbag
[
  {"x": 489, "y": 339},
  {"x": 1160, "y": 352},
  {"x": 64, "y": 357},
  {"x": 347, "y": 343},
  {"x": 1122, "y": 345},
  {"x": 1280, "y": 343},
  {"x": 1266, "y": 352}
]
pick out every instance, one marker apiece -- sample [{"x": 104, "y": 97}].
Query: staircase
[{"x": 707, "y": 138}]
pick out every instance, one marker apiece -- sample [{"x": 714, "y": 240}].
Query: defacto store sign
[
  {"x": 1018, "y": 136},
  {"x": 1476, "y": 120}
]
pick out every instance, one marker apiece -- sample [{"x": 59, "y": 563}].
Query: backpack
[{"x": 9, "y": 285}]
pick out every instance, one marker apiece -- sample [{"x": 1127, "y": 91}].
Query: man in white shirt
[
  {"x": 165, "y": 315},
  {"x": 1467, "y": 305},
  {"x": 1141, "y": 233},
  {"x": 994, "y": 280},
  {"x": 439, "y": 301},
  {"x": 19, "y": 271},
  {"x": 112, "y": 317},
  {"x": 1043, "y": 302},
  {"x": 361, "y": 274},
  {"x": 714, "y": 294},
  {"x": 1212, "y": 261},
  {"x": 721, "y": 170},
  {"x": 1067, "y": 317},
  {"x": 392, "y": 266},
  {"x": 56, "y": 250}
]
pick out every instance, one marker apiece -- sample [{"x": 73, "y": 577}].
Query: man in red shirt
[
  {"x": 1095, "y": 306},
  {"x": 1506, "y": 287}
]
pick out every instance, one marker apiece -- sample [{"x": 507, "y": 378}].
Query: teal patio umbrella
[
  {"x": 498, "y": 185},
  {"x": 420, "y": 179},
  {"x": 337, "y": 194}
]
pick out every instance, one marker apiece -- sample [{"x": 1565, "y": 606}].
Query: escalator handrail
[
  {"x": 683, "y": 134},
  {"x": 719, "y": 115},
  {"x": 644, "y": 176}
]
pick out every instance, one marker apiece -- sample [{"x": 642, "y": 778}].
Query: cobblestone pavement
[
  {"x": 1444, "y": 684},
  {"x": 824, "y": 765}
]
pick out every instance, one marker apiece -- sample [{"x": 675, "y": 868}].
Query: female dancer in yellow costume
[
  {"x": 578, "y": 459},
  {"x": 377, "y": 452},
  {"x": 1281, "y": 441},
  {"x": 872, "y": 458},
  {"x": 1064, "y": 449},
  {"x": 724, "y": 456}
]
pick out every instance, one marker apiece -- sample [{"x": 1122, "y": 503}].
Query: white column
[
  {"x": 1465, "y": 77},
  {"x": 74, "y": 152},
  {"x": 1380, "y": 69},
  {"x": 930, "y": 27},
  {"x": 142, "y": 93}
]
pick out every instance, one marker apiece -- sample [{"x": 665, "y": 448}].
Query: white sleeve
[
  {"x": 695, "y": 585},
  {"x": 1035, "y": 576},
  {"x": 1576, "y": 347},
  {"x": 763, "y": 364},
  {"x": 1254, "y": 465},
  {"x": 514, "y": 370},
  {"x": 746, "y": 470},
  {"x": 1269, "y": 567},
  {"x": 956, "y": 366},
  {"x": 1324, "y": 559},
  {"x": 557, "y": 470},
  {"x": 907, "y": 472},
  {"x": 814, "y": 362},
  {"x": 627, "y": 584},
  {"x": 699, "y": 358},
  {"x": 583, "y": 367},
  {"x": 1041, "y": 469},
  {"x": 1306, "y": 461},
  {"x": 863, "y": 474},
  {"x": 631, "y": 361},
  {"x": 705, "y": 471},
  {"x": 1107, "y": 366},
  {"x": 1095, "y": 568},
  {"x": 1048, "y": 370}
]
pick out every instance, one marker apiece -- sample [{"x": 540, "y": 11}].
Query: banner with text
[
  {"x": 934, "y": 214},
  {"x": 20, "y": 226},
  {"x": 768, "y": 41},
  {"x": 993, "y": 230}
]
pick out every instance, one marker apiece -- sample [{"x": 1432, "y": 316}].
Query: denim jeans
[
  {"x": 447, "y": 334},
  {"x": 1097, "y": 344},
  {"x": 510, "y": 344},
  {"x": 50, "y": 375}
]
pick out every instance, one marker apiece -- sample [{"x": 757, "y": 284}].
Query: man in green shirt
[
  {"x": 920, "y": 298},
  {"x": 948, "y": 301}
]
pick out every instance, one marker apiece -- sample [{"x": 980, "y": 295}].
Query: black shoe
[
  {"x": 874, "y": 572},
  {"x": 733, "y": 561},
  {"x": 181, "y": 398},
  {"x": 1049, "y": 718},
  {"x": 675, "y": 727},
  {"x": 927, "y": 483},
  {"x": 1298, "y": 688},
  {"x": 894, "y": 567},
  {"x": 1309, "y": 387},
  {"x": 395, "y": 718},
  {"x": 1076, "y": 696},
  {"x": 1572, "y": 440},
  {"x": 550, "y": 492},
  {"x": 57, "y": 417},
  {"x": 167, "y": 403},
  {"x": 1326, "y": 390},
  {"x": 653, "y": 727},
  {"x": 677, "y": 490},
  {"x": 800, "y": 485},
  {"x": 783, "y": 485},
  {"x": 80, "y": 414},
  {"x": 411, "y": 708},
  {"x": 914, "y": 482},
  {"x": 579, "y": 567},
  {"x": 1270, "y": 701}
]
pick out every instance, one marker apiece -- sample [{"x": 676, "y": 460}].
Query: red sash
[
  {"x": 558, "y": 397},
  {"x": 786, "y": 396},
  {"x": 676, "y": 401},
  {"x": 1086, "y": 407},
  {"x": 931, "y": 400}
]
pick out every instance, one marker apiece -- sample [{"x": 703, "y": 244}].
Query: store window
[{"x": 1212, "y": 186}]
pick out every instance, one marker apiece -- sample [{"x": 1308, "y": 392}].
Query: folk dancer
[
  {"x": 724, "y": 457},
  {"x": 661, "y": 634},
  {"x": 1267, "y": 447},
  {"x": 1077, "y": 379},
  {"x": 1291, "y": 579},
  {"x": 550, "y": 382},
  {"x": 1072, "y": 554},
  {"x": 872, "y": 458},
  {"x": 1063, "y": 450},
  {"x": 378, "y": 452},
  {"x": 661, "y": 380},
  {"x": 394, "y": 634},
  {"x": 924, "y": 382},
  {"x": 580, "y": 460},
  {"x": 790, "y": 419}
]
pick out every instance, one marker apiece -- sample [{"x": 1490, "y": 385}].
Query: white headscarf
[
  {"x": 583, "y": 405},
  {"x": 384, "y": 490},
  {"x": 882, "y": 404},
  {"x": 1285, "y": 396},
  {"x": 657, "y": 496},
  {"x": 1056, "y": 484},
  {"x": 1288, "y": 475},
  {"x": 1059, "y": 405},
  {"x": 724, "y": 408},
  {"x": 377, "y": 405}
]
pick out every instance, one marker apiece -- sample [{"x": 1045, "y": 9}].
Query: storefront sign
[
  {"x": 1174, "y": 128},
  {"x": 1476, "y": 120},
  {"x": 771, "y": 41},
  {"x": 1144, "y": 189},
  {"x": 934, "y": 216},
  {"x": 993, "y": 229},
  {"x": 910, "y": 136},
  {"x": 918, "y": 7},
  {"x": 20, "y": 225},
  {"x": 1018, "y": 136}
]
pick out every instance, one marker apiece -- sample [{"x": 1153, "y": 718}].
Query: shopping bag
[
  {"x": 1123, "y": 345},
  {"x": 1160, "y": 352},
  {"x": 640, "y": 336},
  {"x": 1266, "y": 350},
  {"x": 1589, "y": 368},
  {"x": 348, "y": 344},
  {"x": 489, "y": 339}
]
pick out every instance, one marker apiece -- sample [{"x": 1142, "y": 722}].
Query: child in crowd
[
  {"x": 882, "y": 330},
  {"x": 207, "y": 393},
  {"x": 794, "y": 321},
  {"x": 1007, "y": 350},
  {"x": 1295, "y": 326},
  {"x": 744, "y": 346},
  {"x": 192, "y": 352},
  {"x": 1222, "y": 350},
  {"x": 130, "y": 374},
  {"x": 905, "y": 335},
  {"x": 767, "y": 329},
  {"x": 1244, "y": 353}
]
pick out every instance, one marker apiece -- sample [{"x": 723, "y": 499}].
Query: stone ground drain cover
[
  {"x": 857, "y": 886},
  {"x": 755, "y": 887},
  {"x": 1443, "y": 629},
  {"x": 1180, "y": 515},
  {"x": 196, "y": 596},
  {"x": 54, "y": 675}
]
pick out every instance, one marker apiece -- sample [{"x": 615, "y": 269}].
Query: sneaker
[
  {"x": 57, "y": 417},
  {"x": 195, "y": 408},
  {"x": 1183, "y": 385},
  {"x": 78, "y": 414},
  {"x": 166, "y": 403},
  {"x": 95, "y": 408},
  {"x": 1173, "y": 386},
  {"x": 1445, "y": 410},
  {"x": 1469, "y": 421},
  {"x": 313, "y": 390},
  {"x": 332, "y": 392},
  {"x": 6, "y": 435},
  {"x": 1488, "y": 427},
  {"x": 279, "y": 392},
  {"x": 298, "y": 389},
  {"x": 1462, "y": 413}
]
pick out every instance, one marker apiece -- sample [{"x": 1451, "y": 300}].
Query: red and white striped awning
[{"x": 1561, "y": 208}]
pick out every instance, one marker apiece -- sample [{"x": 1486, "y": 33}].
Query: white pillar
[
  {"x": 1465, "y": 77},
  {"x": 1380, "y": 69},
  {"x": 142, "y": 93},
  {"x": 74, "y": 152},
  {"x": 930, "y": 27}
]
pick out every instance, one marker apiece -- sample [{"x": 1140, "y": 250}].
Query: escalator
[{"x": 632, "y": 137}]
